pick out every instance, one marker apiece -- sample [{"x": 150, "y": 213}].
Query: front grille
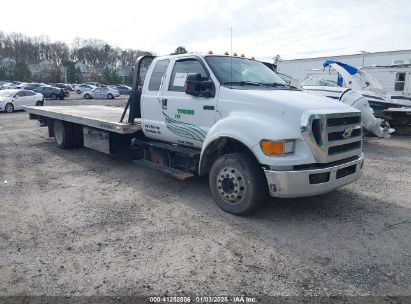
[
  {"x": 338, "y": 121},
  {"x": 316, "y": 127},
  {"x": 340, "y": 134},
  {"x": 344, "y": 148},
  {"x": 332, "y": 137}
]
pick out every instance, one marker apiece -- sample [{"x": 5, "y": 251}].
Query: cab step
[
  {"x": 182, "y": 150},
  {"x": 181, "y": 175},
  {"x": 176, "y": 160}
]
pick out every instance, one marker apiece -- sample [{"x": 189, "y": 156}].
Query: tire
[
  {"x": 53, "y": 96},
  {"x": 110, "y": 96},
  {"x": 78, "y": 92},
  {"x": 237, "y": 183},
  {"x": 87, "y": 96},
  {"x": 9, "y": 108},
  {"x": 63, "y": 134},
  {"x": 39, "y": 103}
]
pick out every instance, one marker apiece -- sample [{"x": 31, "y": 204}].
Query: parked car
[
  {"x": 51, "y": 92},
  {"x": 13, "y": 99},
  {"x": 84, "y": 87},
  {"x": 123, "y": 89},
  {"x": 62, "y": 86},
  {"x": 102, "y": 93},
  {"x": 33, "y": 85},
  {"x": 6, "y": 85}
]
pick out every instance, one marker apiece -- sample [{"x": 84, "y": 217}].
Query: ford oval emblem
[{"x": 347, "y": 133}]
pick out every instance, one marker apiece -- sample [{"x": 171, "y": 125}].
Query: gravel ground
[{"x": 78, "y": 222}]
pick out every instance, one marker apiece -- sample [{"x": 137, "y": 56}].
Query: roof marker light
[{"x": 210, "y": 52}]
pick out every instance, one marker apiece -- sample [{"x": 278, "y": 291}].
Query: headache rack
[{"x": 333, "y": 136}]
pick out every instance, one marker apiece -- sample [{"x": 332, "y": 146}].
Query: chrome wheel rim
[{"x": 231, "y": 185}]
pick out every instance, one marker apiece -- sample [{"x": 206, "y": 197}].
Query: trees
[
  {"x": 88, "y": 51},
  {"x": 53, "y": 75},
  {"x": 180, "y": 50},
  {"x": 110, "y": 76},
  {"x": 73, "y": 73},
  {"x": 130, "y": 78},
  {"x": 21, "y": 71}
]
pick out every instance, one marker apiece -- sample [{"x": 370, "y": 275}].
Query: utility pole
[{"x": 363, "y": 57}]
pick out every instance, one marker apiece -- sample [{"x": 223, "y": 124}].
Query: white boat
[{"x": 348, "y": 77}]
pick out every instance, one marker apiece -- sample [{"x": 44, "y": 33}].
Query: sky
[{"x": 261, "y": 28}]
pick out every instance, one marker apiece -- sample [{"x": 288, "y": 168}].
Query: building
[
  {"x": 40, "y": 68},
  {"x": 299, "y": 68},
  {"x": 7, "y": 67},
  {"x": 6, "y": 63}
]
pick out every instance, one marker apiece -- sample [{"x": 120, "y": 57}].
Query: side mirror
[{"x": 196, "y": 86}]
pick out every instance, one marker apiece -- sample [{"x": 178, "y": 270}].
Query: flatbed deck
[{"x": 95, "y": 116}]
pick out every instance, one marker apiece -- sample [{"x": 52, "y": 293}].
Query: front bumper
[{"x": 313, "y": 182}]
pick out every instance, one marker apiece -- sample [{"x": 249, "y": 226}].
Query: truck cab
[{"x": 255, "y": 134}]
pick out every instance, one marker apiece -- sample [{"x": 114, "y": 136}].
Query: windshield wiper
[
  {"x": 276, "y": 84},
  {"x": 242, "y": 83}
]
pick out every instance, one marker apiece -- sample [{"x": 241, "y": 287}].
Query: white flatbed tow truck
[{"x": 230, "y": 118}]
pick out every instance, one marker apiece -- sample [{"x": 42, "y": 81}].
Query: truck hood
[{"x": 291, "y": 101}]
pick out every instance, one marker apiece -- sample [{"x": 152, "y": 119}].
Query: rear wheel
[
  {"x": 68, "y": 135},
  {"x": 87, "y": 96},
  {"x": 9, "y": 108},
  {"x": 53, "y": 96},
  {"x": 237, "y": 183}
]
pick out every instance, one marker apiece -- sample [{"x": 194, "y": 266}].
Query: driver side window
[{"x": 180, "y": 71}]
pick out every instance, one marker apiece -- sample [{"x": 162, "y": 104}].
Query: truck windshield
[{"x": 242, "y": 71}]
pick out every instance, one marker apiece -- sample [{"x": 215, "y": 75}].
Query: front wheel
[
  {"x": 39, "y": 103},
  {"x": 87, "y": 96},
  {"x": 53, "y": 96},
  {"x": 237, "y": 183},
  {"x": 9, "y": 108},
  {"x": 110, "y": 96}
]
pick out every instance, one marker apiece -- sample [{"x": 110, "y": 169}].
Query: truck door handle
[
  {"x": 208, "y": 107},
  {"x": 164, "y": 103}
]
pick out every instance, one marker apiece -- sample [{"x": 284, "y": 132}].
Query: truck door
[{"x": 186, "y": 118}]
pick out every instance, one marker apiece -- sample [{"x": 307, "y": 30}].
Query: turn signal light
[
  {"x": 277, "y": 148},
  {"x": 272, "y": 148}
]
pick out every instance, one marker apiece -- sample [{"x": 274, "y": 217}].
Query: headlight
[{"x": 277, "y": 148}]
